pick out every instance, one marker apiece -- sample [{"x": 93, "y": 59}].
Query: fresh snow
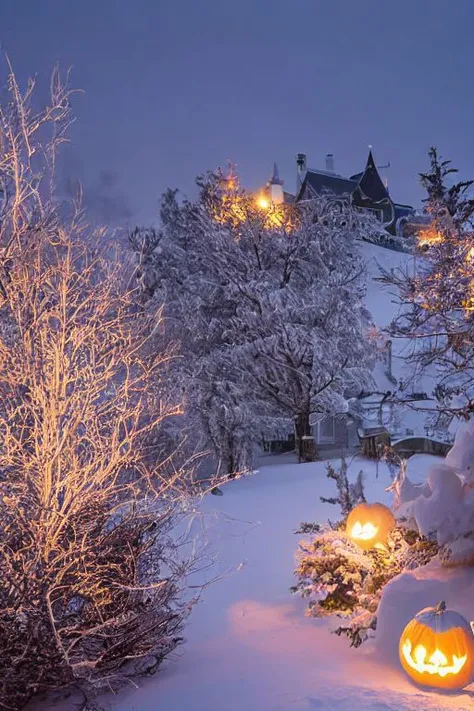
[{"x": 249, "y": 645}]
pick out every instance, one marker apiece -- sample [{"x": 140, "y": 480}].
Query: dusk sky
[{"x": 175, "y": 87}]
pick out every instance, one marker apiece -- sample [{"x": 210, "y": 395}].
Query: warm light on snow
[
  {"x": 364, "y": 532},
  {"x": 436, "y": 664}
]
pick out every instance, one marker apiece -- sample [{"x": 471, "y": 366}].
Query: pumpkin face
[
  {"x": 369, "y": 524},
  {"x": 437, "y": 650}
]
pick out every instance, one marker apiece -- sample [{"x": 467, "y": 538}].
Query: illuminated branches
[
  {"x": 437, "y": 297},
  {"x": 29, "y": 141},
  {"x": 89, "y": 575},
  {"x": 92, "y": 573}
]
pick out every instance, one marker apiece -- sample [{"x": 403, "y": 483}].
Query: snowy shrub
[
  {"x": 91, "y": 578},
  {"x": 349, "y": 495},
  {"x": 338, "y": 578},
  {"x": 443, "y": 507}
]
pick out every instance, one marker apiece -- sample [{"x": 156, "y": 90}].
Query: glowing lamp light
[
  {"x": 263, "y": 203},
  {"x": 368, "y": 525},
  {"x": 437, "y": 649},
  {"x": 429, "y": 237}
]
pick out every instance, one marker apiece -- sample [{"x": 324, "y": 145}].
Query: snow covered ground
[{"x": 249, "y": 646}]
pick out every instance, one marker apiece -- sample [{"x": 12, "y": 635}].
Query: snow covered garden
[
  {"x": 250, "y": 644},
  {"x": 141, "y": 382}
]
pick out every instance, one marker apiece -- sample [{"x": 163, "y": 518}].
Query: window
[{"x": 326, "y": 431}]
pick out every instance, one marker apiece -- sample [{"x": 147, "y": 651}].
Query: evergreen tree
[{"x": 437, "y": 298}]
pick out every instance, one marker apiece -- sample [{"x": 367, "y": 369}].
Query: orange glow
[
  {"x": 428, "y": 237},
  {"x": 364, "y": 532},
  {"x": 263, "y": 203},
  {"x": 368, "y": 525},
  {"x": 436, "y": 664}
]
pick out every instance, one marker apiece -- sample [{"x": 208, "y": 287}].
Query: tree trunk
[
  {"x": 231, "y": 463},
  {"x": 305, "y": 449}
]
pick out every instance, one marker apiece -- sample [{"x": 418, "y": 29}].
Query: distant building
[{"x": 366, "y": 190}]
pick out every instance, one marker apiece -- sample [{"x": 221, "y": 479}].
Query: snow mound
[{"x": 412, "y": 591}]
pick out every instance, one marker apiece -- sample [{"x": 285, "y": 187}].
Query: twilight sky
[{"x": 174, "y": 87}]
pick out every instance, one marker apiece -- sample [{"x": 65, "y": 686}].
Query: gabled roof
[
  {"x": 370, "y": 184},
  {"x": 320, "y": 180}
]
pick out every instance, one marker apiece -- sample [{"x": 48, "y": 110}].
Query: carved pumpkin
[
  {"x": 437, "y": 648},
  {"x": 369, "y": 524}
]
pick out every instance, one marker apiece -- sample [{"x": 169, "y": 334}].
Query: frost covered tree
[
  {"x": 437, "y": 298},
  {"x": 92, "y": 583},
  {"x": 269, "y": 299}
]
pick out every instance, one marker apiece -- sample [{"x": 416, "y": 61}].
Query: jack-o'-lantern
[
  {"x": 368, "y": 525},
  {"x": 437, "y": 648}
]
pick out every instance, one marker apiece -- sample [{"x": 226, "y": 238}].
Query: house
[{"x": 366, "y": 191}]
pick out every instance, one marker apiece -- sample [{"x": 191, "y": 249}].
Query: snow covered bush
[
  {"x": 442, "y": 509},
  {"x": 338, "y": 578},
  {"x": 92, "y": 581},
  {"x": 267, "y": 306}
]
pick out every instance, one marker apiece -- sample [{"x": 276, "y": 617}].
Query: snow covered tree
[
  {"x": 437, "y": 298},
  {"x": 172, "y": 267},
  {"x": 274, "y": 291}
]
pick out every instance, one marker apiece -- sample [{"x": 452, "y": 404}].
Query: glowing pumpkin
[
  {"x": 369, "y": 524},
  {"x": 437, "y": 648}
]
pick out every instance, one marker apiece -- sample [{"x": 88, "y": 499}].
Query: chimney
[
  {"x": 329, "y": 162},
  {"x": 300, "y": 170}
]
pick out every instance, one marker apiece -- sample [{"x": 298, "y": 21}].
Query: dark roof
[
  {"x": 368, "y": 186},
  {"x": 321, "y": 180},
  {"x": 371, "y": 184}
]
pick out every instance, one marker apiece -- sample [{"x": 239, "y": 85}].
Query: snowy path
[{"x": 249, "y": 646}]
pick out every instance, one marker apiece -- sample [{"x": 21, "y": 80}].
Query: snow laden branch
[{"x": 267, "y": 306}]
